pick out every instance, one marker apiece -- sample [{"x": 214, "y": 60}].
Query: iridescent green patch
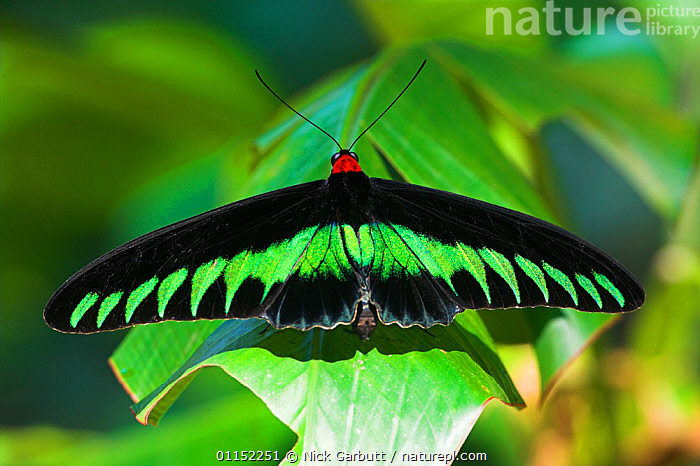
[
  {"x": 325, "y": 255},
  {"x": 286, "y": 255},
  {"x": 205, "y": 275},
  {"x": 502, "y": 267},
  {"x": 535, "y": 273},
  {"x": 107, "y": 305},
  {"x": 366, "y": 246},
  {"x": 386, "y": 250},
  {"x": 352, "y": 243},
  {"x": 238, "y": 269},
  {"x": 392, "y": 257},
  {"x": 168, "y": 287},
  {"x": 401, "y": 250},
  {"x": 587, "y": 285},
  {"x": 275, "y": 264},
  {"x": 612, "y": 289},
  {"x": 561, "y": 278},
  {"x": 472, "y": 263},
  {"x": 82, "y": 307},
  {"x": 432, "y": 255},
  {"x": 137, "y": 296}
]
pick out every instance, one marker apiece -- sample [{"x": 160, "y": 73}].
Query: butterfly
[{"x": 349, "y": 249}]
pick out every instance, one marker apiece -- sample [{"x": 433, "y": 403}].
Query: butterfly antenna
[
  {"x": 392, "y": 103},
  {"x": 292, "y": 109}
]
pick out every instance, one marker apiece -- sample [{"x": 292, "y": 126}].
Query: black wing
[
  {"x": 260, "y": 257},
  {"x": 468, "y": 254}
]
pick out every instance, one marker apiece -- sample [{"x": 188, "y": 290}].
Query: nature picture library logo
[{"x": 658, "y": 19}]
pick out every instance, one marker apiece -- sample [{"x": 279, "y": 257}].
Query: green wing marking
[
  {"x": 587, "y": 285},
  {"x": 271, "y": 266},
  {"x": 281, "y": 259},
  {"x": 605, "y": 283},
  {"x": 325, "y": 255},
  {"x": 535, "y": 273},
  {"x": 107, "y": 305},
  {"x": 392, "y": 256},
  {"x": 242, "y": 266},
  {"x": 561, "y": 278},
  {"x": 352, "y": 243},
  {"x": 315, "y": 252},
  {"x": 205, "y": 275},
  {"x": 434, "y": 256},
  {"x": 82, "y": 307},
  {"x": 366, "y": 246},
  {"x": 502, "y": 267},
  {"x": 394, "y": 250},
  {"x": 137, "y": 296},
  {"x": 168, "y": 287},
  {"x": 443, "y": 260},
  {"x": 472, "y": 263}
]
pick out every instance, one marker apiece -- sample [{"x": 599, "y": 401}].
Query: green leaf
[
  {"x": 151, "y": 353},
  {"x": 433, "y": 136},
  {"x": 561, "y": 336},
  {"x": 421, "y": 388}
]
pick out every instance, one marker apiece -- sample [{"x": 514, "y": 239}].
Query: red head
[{"x": 345, "y": 161}]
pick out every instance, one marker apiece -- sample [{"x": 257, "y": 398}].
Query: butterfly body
[{"x": 346, "y": 250}]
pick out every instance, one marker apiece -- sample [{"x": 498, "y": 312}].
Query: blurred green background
[{"x": 120, "y": 117}]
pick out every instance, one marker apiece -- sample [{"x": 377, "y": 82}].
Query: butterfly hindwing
[
  {"x": 323, "y": 286},
  {"x": 400, "y": 286},
  {"x": 481, "y": 256}
]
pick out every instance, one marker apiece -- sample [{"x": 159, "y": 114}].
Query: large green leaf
[
  {"x": 150, "y": 354},
  {"x": 434, "y": 136},
  {"x": 404, "y": 389}
]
